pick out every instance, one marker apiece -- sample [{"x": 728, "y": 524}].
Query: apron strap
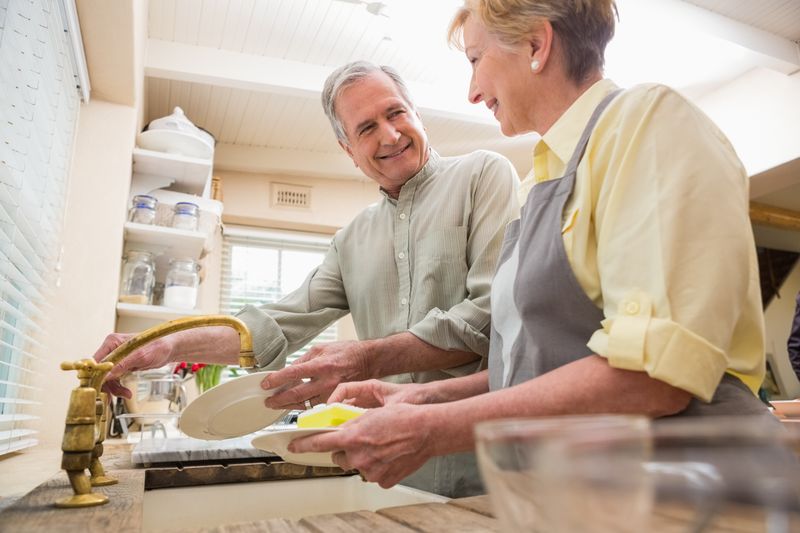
[{"x": 580, "y": 148}]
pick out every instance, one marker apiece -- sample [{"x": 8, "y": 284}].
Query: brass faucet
[{"x": 85, "y": 428}]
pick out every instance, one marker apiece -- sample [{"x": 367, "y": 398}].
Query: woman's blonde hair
[{"x": 584, "y": 27}]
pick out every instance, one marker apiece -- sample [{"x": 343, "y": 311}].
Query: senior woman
[{"x": 629, "y": 284}]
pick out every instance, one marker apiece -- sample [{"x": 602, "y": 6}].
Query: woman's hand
[
  {"x": 375, "y": 393},
  {"x": 385, "y": 445},
  {"x": 154, "y": 354}
]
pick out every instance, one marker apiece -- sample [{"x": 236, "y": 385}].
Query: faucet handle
[
  {"x": 86, "y": 364},
  {"x": 87, "y": 369}
]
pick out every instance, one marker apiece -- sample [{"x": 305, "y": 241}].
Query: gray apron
[
  {"x": 454, "y": 476},
  {"x": 541, "y": 317}
]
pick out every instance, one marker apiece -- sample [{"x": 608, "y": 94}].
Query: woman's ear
[{"x": 541, "y": 43}]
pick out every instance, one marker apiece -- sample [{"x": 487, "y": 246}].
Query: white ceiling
[
  {"x": 250, "y": 71},
  {"x": 779, "y": 17}
]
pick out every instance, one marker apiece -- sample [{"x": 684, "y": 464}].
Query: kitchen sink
[{"x": 215, "y": 505}]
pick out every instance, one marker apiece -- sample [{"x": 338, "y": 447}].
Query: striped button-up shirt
[{"x": 421, "y": 263}]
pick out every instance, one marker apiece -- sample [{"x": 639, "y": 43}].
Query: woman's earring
[{"x": 535, "y": 65}]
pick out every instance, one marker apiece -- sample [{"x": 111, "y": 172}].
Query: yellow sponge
[{"x": 328, "y": 415}]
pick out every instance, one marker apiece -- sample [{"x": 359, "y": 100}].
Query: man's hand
[
  {"x": 375, "y": 393},
  {"x": 325, "y": 366},
  {"x": 385, "y": 445},
  {"x": 154, "y": 354}
]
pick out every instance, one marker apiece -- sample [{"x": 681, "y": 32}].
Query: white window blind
[
  {"x": 262, "y": 267},
  {"x": 39, "y": 104}
]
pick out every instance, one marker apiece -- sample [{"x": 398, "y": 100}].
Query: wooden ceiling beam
[{"x": 775, "y": 217}]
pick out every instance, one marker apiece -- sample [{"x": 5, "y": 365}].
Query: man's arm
[
  {"x": 213, "y": 344},
  {"x": 328, "y": 365}
]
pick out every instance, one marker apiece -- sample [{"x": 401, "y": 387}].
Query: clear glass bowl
[
  {"x": 681, "y": 474},
  {"x": 511, "y": 455}
]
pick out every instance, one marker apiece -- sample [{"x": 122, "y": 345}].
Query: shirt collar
[
  {"x": 427, "y": 171},
  {"x": 562, "y": 137}
]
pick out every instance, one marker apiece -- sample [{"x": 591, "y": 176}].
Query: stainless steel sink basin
[{"x": 215, "y": 505}]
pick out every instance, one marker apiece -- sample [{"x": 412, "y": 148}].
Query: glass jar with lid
[
  {"x": 138, "y": 278},
  {"x": 185, "y": 216},
  {"x": 143, "y": 209},
  {"x": 180, "y": 287}
]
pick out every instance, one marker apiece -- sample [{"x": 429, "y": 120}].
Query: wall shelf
[
  {"x": 189, "y": 174},
  {"x": 154, "y": 312},
  {"x": 162, "y": 239},
  {"x": 167, "y": 176}
]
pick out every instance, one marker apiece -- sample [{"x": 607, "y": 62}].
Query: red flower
[{"x": 195, "y": 367}]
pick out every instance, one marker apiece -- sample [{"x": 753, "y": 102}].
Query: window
[
  {"x": 39, "y": 105},
  {"x": 262, "y": 267}
]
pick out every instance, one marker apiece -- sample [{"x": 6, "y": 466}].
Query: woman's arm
[
  {"x": 374, "y": 393},
  {"x": 587, "y": 386},
  {"x": 388, "y": 444}
]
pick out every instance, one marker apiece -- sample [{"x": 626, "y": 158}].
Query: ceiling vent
[{"x": 295, "y": 196}]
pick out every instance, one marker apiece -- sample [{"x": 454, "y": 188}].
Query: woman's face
[{"x": 501, "y": 78}]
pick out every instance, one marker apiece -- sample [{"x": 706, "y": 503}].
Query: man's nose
[{"x": 389, "y": 134}]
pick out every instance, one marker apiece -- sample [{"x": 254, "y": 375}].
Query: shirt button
[
  {"x": 401, "y": 255},
  {"x": 404, "y": 301},
  {"x": 402, "y": 216},
  {"x": 632, "y": 308}
]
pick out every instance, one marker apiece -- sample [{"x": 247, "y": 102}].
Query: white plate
[
  {"x": 175, "y": 142},
  {"x": 786, "y": 407},
  {"x": 232, "y": 409},
  {"x": 278, "y": 442}
]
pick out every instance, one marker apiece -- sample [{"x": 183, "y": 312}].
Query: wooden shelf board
[{"x": 156, "y": 312}]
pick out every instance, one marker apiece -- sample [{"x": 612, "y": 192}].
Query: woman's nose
[{"x": 474, "y": 95}]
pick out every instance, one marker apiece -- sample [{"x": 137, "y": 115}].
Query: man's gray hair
[{"x": 347, "y": 75}]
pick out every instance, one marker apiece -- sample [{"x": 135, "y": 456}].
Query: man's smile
[{"x": 395, "y": 154}]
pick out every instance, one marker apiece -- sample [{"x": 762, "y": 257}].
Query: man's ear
[
  {"x": 419, "y": 117},
  {"x": 346, "y": 148}
]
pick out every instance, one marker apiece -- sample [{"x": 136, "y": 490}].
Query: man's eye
[{"x": 365, "y": 129}]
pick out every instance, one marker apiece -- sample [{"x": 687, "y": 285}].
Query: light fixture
[{"x": 373, "y": 8}]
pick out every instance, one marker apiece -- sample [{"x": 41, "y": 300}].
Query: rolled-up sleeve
[
  {"x": 636, "y": 340},
  {"x": 465, "y": 326},
  {"x": 281, "y": 328},
  {"x": 675, "y": 269}
]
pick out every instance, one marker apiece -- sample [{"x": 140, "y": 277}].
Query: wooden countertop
[
  {"x": 123, "y": 514},
  {"x": 35, "y": 513}
]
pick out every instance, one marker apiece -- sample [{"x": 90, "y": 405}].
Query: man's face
[{"x": 386, "y": 139}]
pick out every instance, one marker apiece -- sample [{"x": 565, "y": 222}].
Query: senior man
[{"x": 414, "y": 270}]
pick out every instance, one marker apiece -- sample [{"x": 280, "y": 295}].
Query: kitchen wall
[
  {"x": 334, "y": 202},
  {"x": 83, "y": 306}
]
